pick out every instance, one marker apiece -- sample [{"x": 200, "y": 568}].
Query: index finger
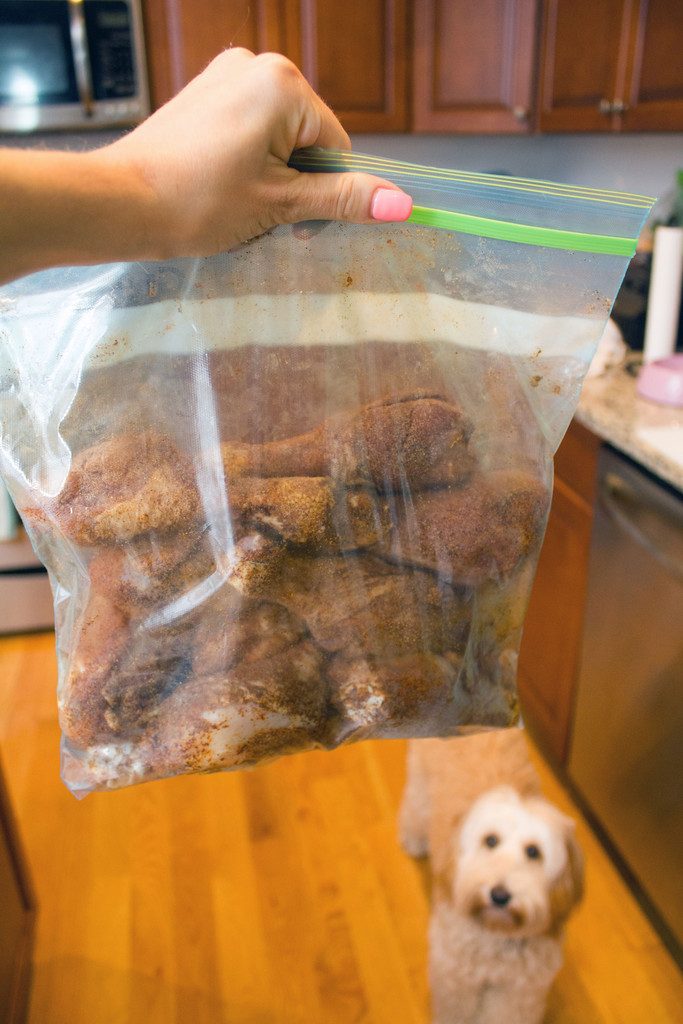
[{"x": 319, "y": 126}]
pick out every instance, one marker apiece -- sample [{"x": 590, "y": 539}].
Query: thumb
[{"x": 353, "y": 197}]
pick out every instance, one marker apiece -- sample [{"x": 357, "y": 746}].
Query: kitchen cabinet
[
  {"x": 473, "y": 65},
  {"x": 654, "y": 85},
  {"x": 354, "y": 54},
  {"x": 611, "y": 66},
  {"x": 468, "y": 66},
  {"x": 550, "y": 651},
  {"x": 16, "y": 919},
  {"x": 183, "y": 37}
]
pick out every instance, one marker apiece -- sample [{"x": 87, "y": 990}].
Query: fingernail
[{"x": 390, "y": 204}]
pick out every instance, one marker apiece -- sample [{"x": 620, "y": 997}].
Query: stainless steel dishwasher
[{"x": 626, "y": 755}]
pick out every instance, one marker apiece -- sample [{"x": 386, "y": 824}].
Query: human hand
[{"x": 213, "y": 161}]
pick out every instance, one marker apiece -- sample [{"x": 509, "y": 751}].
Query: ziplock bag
[{"x": 293, "y": 495}]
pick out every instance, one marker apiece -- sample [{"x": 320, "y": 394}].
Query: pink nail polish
[{"x": 388, "y": 204}]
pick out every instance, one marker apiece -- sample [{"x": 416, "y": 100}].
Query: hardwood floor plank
[
  {"x": 244, "y": 972},
  {"x": 278, "y": 896},
  {"x": 609, "y": 942},
  {"x": 152, "y": 989},
  {"x": 339, "y": 978},
  {"x": 286, "y": 898},
  {"x": 190, "y": 904},
  {"x": 382, "y": 964}
]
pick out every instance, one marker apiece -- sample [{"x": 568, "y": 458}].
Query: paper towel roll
[{"x": 664, "y": 298}]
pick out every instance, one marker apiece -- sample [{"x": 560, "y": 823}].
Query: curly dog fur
[{"x": 506, "y": 874}]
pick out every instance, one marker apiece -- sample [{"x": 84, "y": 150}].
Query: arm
[
  {"x": 69, "y": 208},
  {"x": 204, "y": 173}
]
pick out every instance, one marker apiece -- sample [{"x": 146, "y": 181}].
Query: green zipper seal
[{"x": 526, "y": 234}]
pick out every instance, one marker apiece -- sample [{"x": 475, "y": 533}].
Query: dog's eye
[
  {"x": 532, "y": 851},
  {"x": 491, "y": 840}
]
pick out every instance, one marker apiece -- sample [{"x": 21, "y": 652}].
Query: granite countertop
[{"x": 649, "y": 433}]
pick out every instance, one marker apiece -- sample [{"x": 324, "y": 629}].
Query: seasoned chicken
[
  {"x": 153, "y": 569},
  {"x": 415, "y": 442},
  {"x": 422, "y": 694},
  {"x": 306, "y": 510},
  {"x": 100, "y": 640},
  {"x": 156, "y": 661},
  {"x": 362, "y": 604},
  {"x": 234, "y": 629},
  {"x": 340, "y": 582},
  {"x": 124, "y": 487},
  {"x": 392, "y": 693},
  {"x": 467, "y": 535},
  {"x": 260, "y": 708}
]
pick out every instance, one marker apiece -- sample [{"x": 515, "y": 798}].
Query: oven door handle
[
  {"x": 79, "y": 44},
  {"x": 648, "y": 523}
]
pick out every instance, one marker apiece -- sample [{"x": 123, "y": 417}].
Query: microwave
[{"x": 71, "y": 64}]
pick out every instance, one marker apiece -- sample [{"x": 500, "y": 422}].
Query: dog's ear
[
  {"x": 444, "y": 857},
  {"x": 567, "y": 890}
]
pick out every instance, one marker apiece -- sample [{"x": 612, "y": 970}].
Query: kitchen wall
[
  {"x": 644, "y": 163},
  {"x": 634, "y": 163}
]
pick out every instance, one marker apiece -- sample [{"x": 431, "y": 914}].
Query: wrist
[
  {"x": 121, "y": 218},
  {"x": 58, "y": 209},
  {"x": 164, "y": 219}
]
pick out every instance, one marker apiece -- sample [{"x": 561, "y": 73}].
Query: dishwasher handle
[{"x": 652, "y": 525}]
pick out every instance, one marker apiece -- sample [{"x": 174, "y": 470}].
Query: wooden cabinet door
[
  {"x": 182, "y": 36},
  {"x": 584, "y": 53},
  {"x": 653, "y": 99},
  {"x": 548, "y": 660},
  {"x": 551, "y": 644},
  {"x": 473, "y": 65},
  {"x": 355, "y": 56},
  {"x": 353, "y": 53}
]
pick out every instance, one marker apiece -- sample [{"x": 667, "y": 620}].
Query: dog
[{"x": 506, "y": 874}]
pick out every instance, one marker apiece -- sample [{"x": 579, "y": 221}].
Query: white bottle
[{"x": 664, "y": 298}]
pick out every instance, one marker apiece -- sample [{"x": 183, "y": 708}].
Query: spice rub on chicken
[
  {"x": 123, "y": 487},
  {"x": 394, "y": 443},
  {"x": 326, "y": 589},
  {"x": 307, "y": 510},
  {"x": 477, "y": 532},
  {"x": 152, "y": 569},
  {"x": 362, "y": 604}
]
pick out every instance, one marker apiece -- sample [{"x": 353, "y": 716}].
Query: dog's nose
[{"x": 500, "y": 896}]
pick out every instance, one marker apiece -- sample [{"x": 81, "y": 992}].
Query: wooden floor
[{"x": 267, "y": 897}]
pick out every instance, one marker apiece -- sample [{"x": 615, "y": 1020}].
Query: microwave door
[
  {"x": 113, "y": 50},
  {"x": 38, "y": 78}
]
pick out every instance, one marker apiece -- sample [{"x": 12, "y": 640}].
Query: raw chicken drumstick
[{"x": 415, "y": 441}]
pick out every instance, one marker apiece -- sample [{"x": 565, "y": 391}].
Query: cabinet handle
[
  {"x": 614, "y": 107},
  {"x": 520, "y": 114}
]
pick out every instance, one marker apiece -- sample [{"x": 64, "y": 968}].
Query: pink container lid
[{"x": 662, "y": 381}]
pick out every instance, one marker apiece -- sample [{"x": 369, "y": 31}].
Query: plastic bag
[{"x": 293, "y": 495}]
